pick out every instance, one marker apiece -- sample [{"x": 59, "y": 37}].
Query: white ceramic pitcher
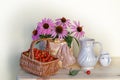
[{"x": 87, "y": 58}]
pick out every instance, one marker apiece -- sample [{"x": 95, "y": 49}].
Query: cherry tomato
[
  {"x": 88, "y": 72},
  {"x": 35, "y": 49}
]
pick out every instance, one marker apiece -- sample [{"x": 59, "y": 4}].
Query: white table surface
[{"x": 112, "y": 72}]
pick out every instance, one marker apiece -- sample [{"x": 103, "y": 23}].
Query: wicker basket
[{"x": 29, "y": 64}]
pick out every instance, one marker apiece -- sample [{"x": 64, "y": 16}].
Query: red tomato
[
  {"x": 43, "y": 60},
  {"x": 35, "y": 54},
  {"x": 42, "y": 55},
  {"x": 37, "y": 58},
  {"x": 88, "y": 72},
  {"x": 35, "y": 49}
]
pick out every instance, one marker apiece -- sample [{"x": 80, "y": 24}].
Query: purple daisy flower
[
  {"x": 63, "y": 21},
  {"x": 77, "y": 30},
  {"x": 35, "y": 34},
  {"x": 59, "y": 31},
  {"x": 45, "y": 26}
]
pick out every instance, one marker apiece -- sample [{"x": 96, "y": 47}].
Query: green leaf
[
  {"x": 69, "y": 39},
  {"x": 77, "y": 41},
  {"x": 73, "y": 72},
  {"x": 37, "y": 42},
  {"x": 45, "y": 36}
]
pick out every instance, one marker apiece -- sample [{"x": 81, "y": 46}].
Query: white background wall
[{"x": 100, "y": 18}]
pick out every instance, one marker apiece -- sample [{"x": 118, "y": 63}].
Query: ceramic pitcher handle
[{"x": 101, "y": 48}]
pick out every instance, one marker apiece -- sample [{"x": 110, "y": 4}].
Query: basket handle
[{"x": 32, "y": 46}]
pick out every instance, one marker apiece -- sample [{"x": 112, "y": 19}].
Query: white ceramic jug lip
[{"x": 88, "y": 39}]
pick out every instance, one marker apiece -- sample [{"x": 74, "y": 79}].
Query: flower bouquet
[{"x": 60, "y": 33}]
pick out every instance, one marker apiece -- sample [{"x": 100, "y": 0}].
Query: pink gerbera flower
[
  {"x": 46, "y": 26},
  {"x": 59, "y": 31},
  {"x": 77, "y": 30},
  {"x": 63, "y": 21}
]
